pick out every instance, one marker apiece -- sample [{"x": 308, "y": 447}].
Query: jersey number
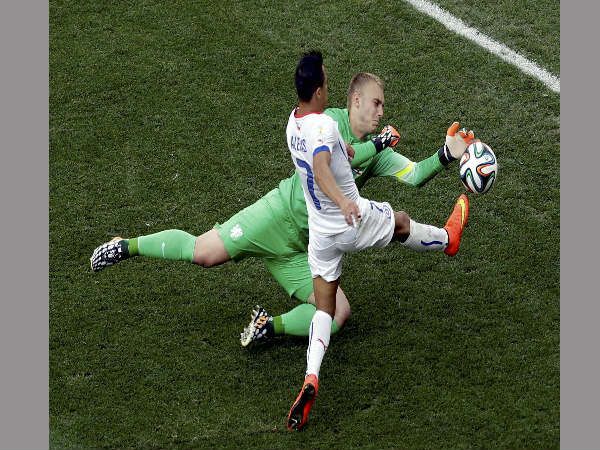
[{"x": 310, "y": 181}]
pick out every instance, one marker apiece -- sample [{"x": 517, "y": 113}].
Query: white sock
[
  {"x": 318, "y": 341},
  {"x": 424, "y": 237}
]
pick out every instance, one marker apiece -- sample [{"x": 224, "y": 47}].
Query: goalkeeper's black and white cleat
[
  {"x": 260, "y": 326},
  {"x": 108, "y": 254}
]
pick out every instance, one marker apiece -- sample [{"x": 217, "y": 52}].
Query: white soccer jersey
[{"x": 306, "y": 136}]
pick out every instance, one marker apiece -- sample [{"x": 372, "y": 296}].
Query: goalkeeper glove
[
  {"x": 456, "y": 144},
  {"x": 387, "y": 138}
]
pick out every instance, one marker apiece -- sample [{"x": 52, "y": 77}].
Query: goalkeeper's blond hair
[{"x": 358, "y": 81}]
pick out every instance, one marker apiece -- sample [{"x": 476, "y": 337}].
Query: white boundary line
[{"x": 458, "y": 26}]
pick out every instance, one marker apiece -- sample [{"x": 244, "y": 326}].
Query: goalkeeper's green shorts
[{"x": 265, "y": 230}]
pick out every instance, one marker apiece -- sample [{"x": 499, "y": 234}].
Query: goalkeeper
[{"x": 275, "y": 227}]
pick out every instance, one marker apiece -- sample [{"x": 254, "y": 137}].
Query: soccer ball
[{"x": 478, "y": 168}]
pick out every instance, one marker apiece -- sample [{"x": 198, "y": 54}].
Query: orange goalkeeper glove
[{"x": 457, "y": 142}]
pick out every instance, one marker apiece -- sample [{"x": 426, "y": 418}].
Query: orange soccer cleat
[
  {"x": 456, "y": 224},
  {"x": 303, "y": 404}
]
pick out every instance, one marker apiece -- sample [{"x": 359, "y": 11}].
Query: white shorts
[{"x": 376, "y": 229}]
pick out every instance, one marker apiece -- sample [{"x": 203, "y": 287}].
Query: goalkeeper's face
[{"x": 369, "y": 108}]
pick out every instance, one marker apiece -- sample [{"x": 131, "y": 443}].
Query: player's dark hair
[{"x": 309, "y": 75}]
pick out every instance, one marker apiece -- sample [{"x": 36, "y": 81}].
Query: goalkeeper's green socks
[
  {"x": 175, "y": 245},
  {"x": 297, "y": 321}
]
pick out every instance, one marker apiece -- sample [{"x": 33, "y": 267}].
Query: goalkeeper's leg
[
  {"x": 295, "y": 322},
  {"x": 293, "y": 274},
  {"x": 206, "y": 250}
]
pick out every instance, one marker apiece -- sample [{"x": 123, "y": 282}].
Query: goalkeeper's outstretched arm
[{"x": 419, "y": 173}]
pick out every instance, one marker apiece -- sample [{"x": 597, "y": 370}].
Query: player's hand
[
  {"x": 458, "y": 141},
  {"x": 388, "y": 137},
  {"x": 351, "y": 212},
  {"x": 350, "y": 151},
  {"x": 467, "y": 137}
]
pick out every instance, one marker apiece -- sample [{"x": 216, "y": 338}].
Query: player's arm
[
  {"x": 419, "y": 173},
  {"x": 392, "y": 164},
  {"x": 456, "y": 143},
  {"x": 363, "y": 151},
  {"x": 326, "y": 182}
]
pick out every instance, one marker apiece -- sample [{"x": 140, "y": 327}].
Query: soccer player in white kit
[{"x": 339, "y": 219}]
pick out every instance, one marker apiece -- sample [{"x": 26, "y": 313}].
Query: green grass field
[{"x": 172, "y": 115}]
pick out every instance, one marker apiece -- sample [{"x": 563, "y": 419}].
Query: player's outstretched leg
[
  {"x": 175, "y": 245},
  {"x": 303, "y": 404},
  {"x": 456, "y": 224},
  {"x": 109, "y": 253},
  {"x": 260, "y": 326}
]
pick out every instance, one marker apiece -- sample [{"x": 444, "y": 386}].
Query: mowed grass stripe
[{"x": 497, "y": 48}]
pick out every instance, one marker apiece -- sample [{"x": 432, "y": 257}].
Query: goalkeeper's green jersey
[{"x": 367, "y": 163}]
